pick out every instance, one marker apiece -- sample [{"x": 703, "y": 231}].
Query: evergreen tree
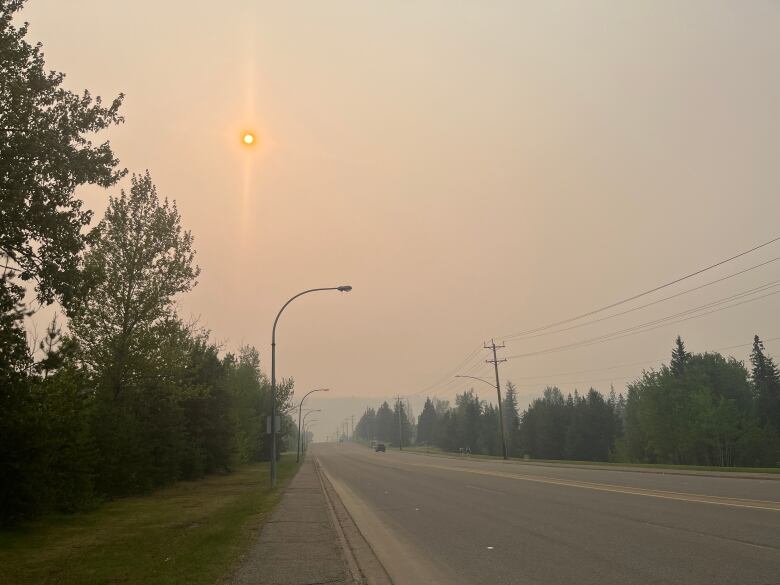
[
  {"x": 766, "y": 385},
  {"x": 511, "y": 420},
  {"x": 365, "y": 428},
  {"x": 679, "y": 358},
  {"x": 45, "y": 156},
  {"x": 426, "y": 424},
  {"x": 386, "y": 424},
  {"x": 400, "y": 425}
]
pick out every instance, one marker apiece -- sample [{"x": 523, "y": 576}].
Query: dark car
[{"x": 380, "y": 447}]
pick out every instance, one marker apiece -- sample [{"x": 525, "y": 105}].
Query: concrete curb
[
  {"x": 298, "y": 544},
  {"x": 361, "y": 558}
]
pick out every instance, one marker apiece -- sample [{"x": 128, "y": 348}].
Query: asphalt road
[{"x": 436, "y": 519}]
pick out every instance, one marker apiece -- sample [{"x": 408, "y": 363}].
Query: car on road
[{"x": 380, "y": 447}]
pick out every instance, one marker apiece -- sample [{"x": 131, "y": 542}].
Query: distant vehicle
[{"x": 380, "y": 447}]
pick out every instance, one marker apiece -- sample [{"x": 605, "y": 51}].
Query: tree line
[
  {"x": 700, "y": 409},
  {"x": 123, "y": 395}
]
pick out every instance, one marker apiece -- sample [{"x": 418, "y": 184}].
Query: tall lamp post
[
  {"x": 300, "y": 408},
  {"x": 302, "y": 431},
  {"x": 343, "y": 288},
  {"x": 306, "y": 442},
  {"x": 500, "y": 410}
]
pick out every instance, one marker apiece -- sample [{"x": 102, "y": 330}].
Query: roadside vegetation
[
  {"x": 120, "y": 396},
  {"x": 189, "y": 533},
  {"x": 701, "y": 411}
]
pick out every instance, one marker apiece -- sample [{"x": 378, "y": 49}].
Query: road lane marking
[
  {"x": 488, "y": 490},
  {"x": 622, "y": 489},
  {"x": 770, "y": 505}
]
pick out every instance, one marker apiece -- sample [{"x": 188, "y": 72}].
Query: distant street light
[
  {"x": 300, "y": 407},
  {"x": 343, "y": 288},
  {"x": 480, "y": 379},
  {"x": 306, "y": 443},
  {"x": 302, "y": 430}
]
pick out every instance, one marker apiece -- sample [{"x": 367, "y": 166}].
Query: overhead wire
[
  {"x": 633, "y": 309},
  {"x": 449, "y": 373},
  {"x": 642, "y": 328},
  {"x": 617, "y": 335},
  {"x": 590, "y": 381},
  {"x": 641, "y": 294}
]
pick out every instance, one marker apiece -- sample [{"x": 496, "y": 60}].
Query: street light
[
  {"x": 480, "y": 379},
  {"x": 500, "y": 415},
  {"x": 306, "y": 443},
  {"x": 302, "y": 430},
  {"x": 300, "y": 407},
  {"x": 342, "y": 288}
]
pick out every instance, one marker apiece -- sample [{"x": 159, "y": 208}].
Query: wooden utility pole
[
  {"x": 495, "y": 362},
  {"x": 400, "y": 425}
]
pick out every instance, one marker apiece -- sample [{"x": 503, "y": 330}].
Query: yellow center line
[{"x": 773, "y": 506}]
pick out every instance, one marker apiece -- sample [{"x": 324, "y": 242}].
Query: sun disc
[{"x": 248, "y": 138}]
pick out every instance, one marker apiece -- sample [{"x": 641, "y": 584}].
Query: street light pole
[
  {"x": 306, "y": 442},
  {"x": 302, "y": 430},
  {"x": 343, "y": 288},
  {"x": 300, "y": 408}
]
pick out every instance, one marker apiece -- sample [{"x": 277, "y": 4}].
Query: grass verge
[
  {"x": 190, "y": 533},
  {"x": 659, "y": 466}
]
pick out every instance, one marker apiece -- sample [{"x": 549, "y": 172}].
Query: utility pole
[
  {"x": 400, "y": 426},
  {"x": 495, "y": 361},
  {"x": 352, "y": 435}
]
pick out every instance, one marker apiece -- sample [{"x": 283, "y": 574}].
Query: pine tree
[
  {"x": 426, "y": 424},
  {"x": 511, "y": 420},
  {"x": 766, "y": 385},
  {"x": 680, "y": 358}
]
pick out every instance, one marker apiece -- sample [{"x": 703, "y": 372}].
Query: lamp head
[{"x": 345, "y": 288}]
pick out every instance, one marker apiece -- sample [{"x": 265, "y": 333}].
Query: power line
[
  {"x": 643, "y": 328},
  {"x": 449, "y": 374},
  {"x": 631, "y": 310},
  {"x": 605, "y": 369},
  {"x": 474, "y": 352},
  {"x": 495, "y": 361},
  {"x": 642, "y": 294},
  {"x": 567, "y": 382}
]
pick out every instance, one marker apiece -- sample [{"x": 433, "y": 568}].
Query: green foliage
[
  {"x": 701, "y": 410},
  {"x": 188, "y": 534},
  {"x": 140, "y": 262},
  {"x": 133, "y": 399},
  {"x": 766, "y": 386},
  {"x": 426, "y": 424},
  {"x": 511, "y": 421},
  {"x": 385, "y": 425},
  {"x": 401, "y": 430},
  {"x": 365, "y": 429},
  {"x": 680, "y": 357},
  {"x": 703, "y": 414},
  {"x": 45, "y": 155}
]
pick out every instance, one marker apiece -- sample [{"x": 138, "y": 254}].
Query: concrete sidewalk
[{"x": 298, "y": 545}]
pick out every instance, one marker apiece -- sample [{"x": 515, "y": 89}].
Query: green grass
[
  {"x": 189, "y": 533},
  {"x": 659, "y": 466}
]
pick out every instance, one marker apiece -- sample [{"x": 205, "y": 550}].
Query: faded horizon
[{"x": 472, "y": 171}]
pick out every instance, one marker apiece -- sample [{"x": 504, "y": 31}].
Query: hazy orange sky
[{"x": 472, "y": 169}]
